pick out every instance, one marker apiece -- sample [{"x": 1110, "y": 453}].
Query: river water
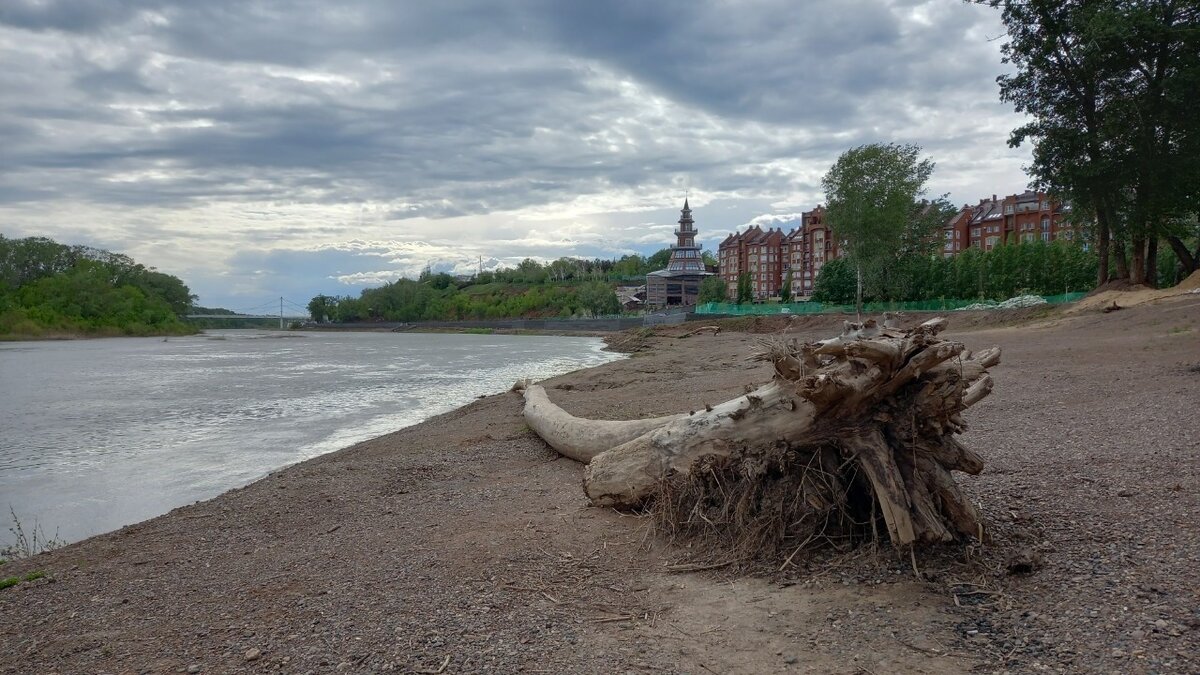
[{"x": 97, "y": 434}]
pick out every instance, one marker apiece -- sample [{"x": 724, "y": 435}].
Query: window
[
  {"x": 1028, "y": 236},
  {"x": 1045, "y": 205},
  {"x": 1045, "y": 236},
  {"x": 1045, "y": 223},
  {"x": 1008, "y": 209}
]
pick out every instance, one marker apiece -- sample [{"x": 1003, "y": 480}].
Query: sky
[{"x": 267, "y": 149}]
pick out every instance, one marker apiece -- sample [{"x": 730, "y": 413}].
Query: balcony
[{"x": 675, "y": 246}]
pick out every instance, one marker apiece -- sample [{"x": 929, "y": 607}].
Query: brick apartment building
[
  {"x": 768, "y": 255},
  {"x": 1029, "y": 216}
]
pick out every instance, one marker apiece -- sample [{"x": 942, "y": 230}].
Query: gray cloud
[{"x": 517, "y": 112}]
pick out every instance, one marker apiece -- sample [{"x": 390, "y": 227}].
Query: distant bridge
[{"x": 258, "y": 313}]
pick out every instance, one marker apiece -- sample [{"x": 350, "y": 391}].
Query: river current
[{"x": 97, "y": 434}]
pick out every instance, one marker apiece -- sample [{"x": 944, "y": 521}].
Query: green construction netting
[{"x": 941, "y": 304}]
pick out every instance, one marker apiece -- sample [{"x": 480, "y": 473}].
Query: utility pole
[{"x": 281, "y": 312}]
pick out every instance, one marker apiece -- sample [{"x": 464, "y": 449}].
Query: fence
[{"x": 942, "y": 304}]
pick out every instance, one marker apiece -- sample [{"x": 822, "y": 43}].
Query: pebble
[
  {"x": 1138, "y": 634},
  {"x": 194, "y": 668},
  {"x": 253, "y": 654}
]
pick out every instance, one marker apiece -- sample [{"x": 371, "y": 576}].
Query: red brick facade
[
  {"x": 1029, "y": 216},
  {"x": 769, "y": 255}
]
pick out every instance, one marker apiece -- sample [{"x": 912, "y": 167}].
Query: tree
[
  {"x": 712, "y": 289},
  {"x": 744, "y": 292},
  {"x": 835, "y": 282},
  {"x": 658, "y": 260},
  {"x": 322, "y": 307},
  {"x": 598, "y": 298},
  {"x": 871, "y": 191},
  {"x": 785, "y": 291},
  {"x": 1108, "y": 86}
]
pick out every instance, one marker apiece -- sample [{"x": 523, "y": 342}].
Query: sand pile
[{"x": 1137, "y": 295}]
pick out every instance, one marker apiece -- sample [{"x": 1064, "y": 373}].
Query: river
[{"x": 97, "y": 434}]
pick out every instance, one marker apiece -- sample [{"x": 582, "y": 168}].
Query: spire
[{"x": 685, "y": 204}]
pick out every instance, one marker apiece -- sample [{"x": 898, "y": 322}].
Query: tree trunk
[
  {"x": 858, "y": 291},
  {"x": 1137, "y": 261},
  {"x": 1103, "y": 253},
  {"x": 1151, "y": 275},
  {"x": 1118, "y": 251},
  {"x": 1184, "y": 255},
  {"x": 849, "y": 429}
]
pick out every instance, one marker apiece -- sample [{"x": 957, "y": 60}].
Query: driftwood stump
[{"x": 852, "y": 433}]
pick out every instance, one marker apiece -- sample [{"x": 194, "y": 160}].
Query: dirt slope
[{"x": 465, "y": 538}]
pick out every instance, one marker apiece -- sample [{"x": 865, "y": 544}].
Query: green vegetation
[
  {"x": 564, "y": 288},
  {"x": 49, "y": 289},
  {"x": 13, "y": 581},
  {"x": 27, "y": 544},
  {"x": 1109, "y": 91},
  {"x": 712, "y": 289},
  {"x": 744, "y": 292},
  {"x": 1035, "y": 267},
  {"x": 872, "y": 192}
]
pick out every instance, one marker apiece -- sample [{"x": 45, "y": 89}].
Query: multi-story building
[
  {"x": 1029, "y": 216},
  {"x": 818, "y": 245},
  {"x": 679, "y": 283},
  {"x": 768, "y": 256}
]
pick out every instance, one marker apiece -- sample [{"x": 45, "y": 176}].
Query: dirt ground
[{"x": 464, "y": 544}]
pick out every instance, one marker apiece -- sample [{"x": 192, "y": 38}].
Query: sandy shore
[{"x": 465, "y": 545}]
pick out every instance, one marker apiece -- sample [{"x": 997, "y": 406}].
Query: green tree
[
  {"x": 1108, "y": 87},
  {"x": 598, "y": 298},
  {"x": 658, "y": 260},
  {"x": 871, "y": 191},
  {"x": 322, "y": 308},
  {"x": 836, "y": 282},
  {"x": 744, "y": 292},
  {"x": 712, "y": 289},
  {"x": 785, "y": 291}
]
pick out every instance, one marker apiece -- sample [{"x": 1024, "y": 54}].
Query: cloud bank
[{"x": 259, "y": 149}]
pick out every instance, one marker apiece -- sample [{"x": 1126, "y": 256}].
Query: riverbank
[{"x": 463, "y": 544}]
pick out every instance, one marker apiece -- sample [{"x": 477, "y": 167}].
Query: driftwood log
[{"x": 851, "y": 433}]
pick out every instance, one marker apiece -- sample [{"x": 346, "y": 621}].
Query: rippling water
[{"x": 97, "y": 434}]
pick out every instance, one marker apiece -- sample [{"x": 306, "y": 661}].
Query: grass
[
  {"x": 9, "y": 582},
  {"x": 28, "y": 544},
  {"x": 478, "y": 331}
]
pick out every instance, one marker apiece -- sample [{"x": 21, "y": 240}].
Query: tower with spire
[{"x": 679, "y": 283}]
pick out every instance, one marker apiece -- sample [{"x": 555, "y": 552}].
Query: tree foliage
[
  {"x": 744, "y": 291},
  {"x": 872, "y": 193},
  {"x": 712, "y": 289},
  {"x": 1035, "y": 267},
  {"x": 47, "y": 287},
  {"x": 1109, "y": 89}
]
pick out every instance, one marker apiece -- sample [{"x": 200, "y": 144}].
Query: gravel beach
[{"x": 464, "y": 544}]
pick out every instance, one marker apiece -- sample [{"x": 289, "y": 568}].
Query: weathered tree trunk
[
  {"x": 1186, "y": 259},
  {"x": 853, "y": 428},
  {"x": 1152, "y": 261},
  {"x": 1137, "y": 259}
]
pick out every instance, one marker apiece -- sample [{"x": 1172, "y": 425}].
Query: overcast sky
[{"x": 260, "y": 149}]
